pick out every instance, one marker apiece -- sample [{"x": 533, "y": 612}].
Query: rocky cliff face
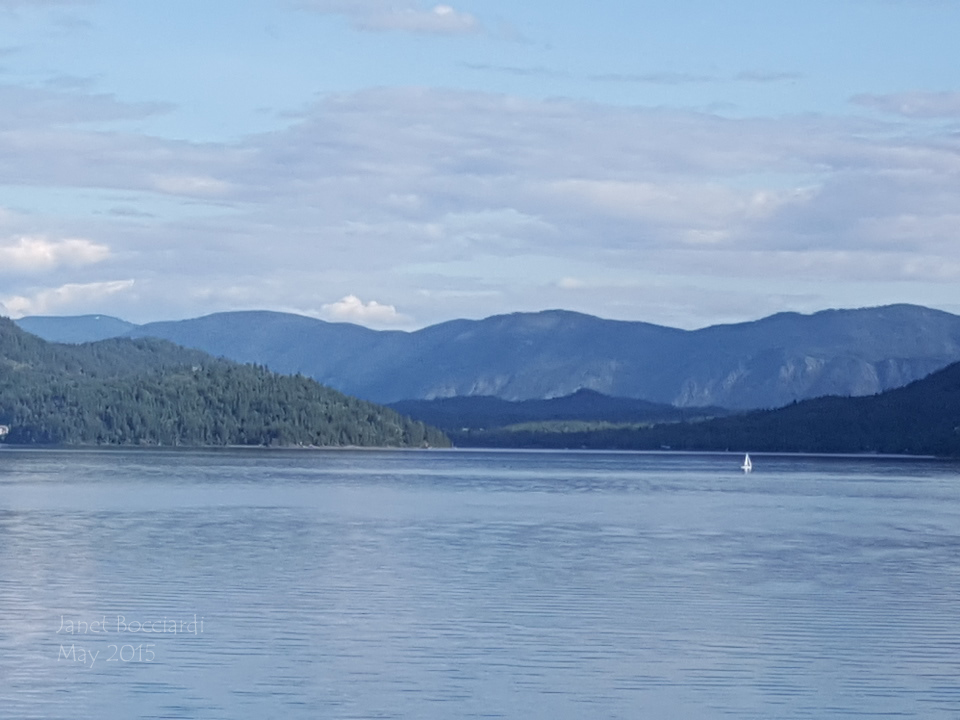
[{"x": 755, "y": 383}]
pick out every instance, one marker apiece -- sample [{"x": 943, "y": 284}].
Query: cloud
[
  {"x": 34, "y": 108},
  {"x": 71, "y": 297},
  {"x": 514, "y": 70},
  {"x": 37, "y": 253},
  {"x": 51, "y": 138},
  {"x": 201, "y": 186},
  {"x": 441, "y": 20},
  {"x": 353, "y": 309},
  {"x": 129, "y": 212},
  {"x": 691, "y": 207},
  {"x": 914, "y": 104},
  {"x": 381, "y": 16},
  {"x": 408, "y": 193},
  {"x": 70, "y": 82},
  {"x": 613, "y": 187},
  {"x": 658, "y": 78},
  {"x": 686, "y": 78},
  {"x": 394, "y": 178},
  {"x": 753, "y": 76}
]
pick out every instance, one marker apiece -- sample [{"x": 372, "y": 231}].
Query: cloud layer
[
  {"x": 70, "y": 299},
  {"x": 430, "y": 199},
  {"x": 914, "y": 104}
]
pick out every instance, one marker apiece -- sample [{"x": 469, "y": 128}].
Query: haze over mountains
[{"x": 765, "y": 363}]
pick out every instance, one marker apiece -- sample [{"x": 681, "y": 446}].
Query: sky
[{"x": 397, "y": 164}]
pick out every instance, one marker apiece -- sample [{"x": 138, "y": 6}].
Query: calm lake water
[{"x": 341, "y": 584}]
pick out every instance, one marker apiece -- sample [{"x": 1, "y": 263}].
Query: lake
[{"x": 458, "y": 584}]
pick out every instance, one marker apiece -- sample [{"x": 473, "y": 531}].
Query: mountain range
[
  {"x": 921, "y": 418},
  {"x": 765, "y": 363}
]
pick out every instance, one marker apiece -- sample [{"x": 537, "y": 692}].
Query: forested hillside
[
  {"x": 922, "y": 418},
  {"x": 151, "y": 392},
  {"x": 483, "y": 412}
]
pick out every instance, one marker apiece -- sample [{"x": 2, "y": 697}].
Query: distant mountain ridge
[
  {"x": 760, "y": 364},
  {"x": 485, "y": 412},
  {"x": 78, "y": 329},
  {"x": 922, "y": 418}
]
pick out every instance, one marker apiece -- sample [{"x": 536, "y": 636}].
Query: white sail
[{"x": 747, "y": 464}]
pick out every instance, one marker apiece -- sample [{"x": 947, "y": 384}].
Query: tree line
[{"x": 151, "y": 392}]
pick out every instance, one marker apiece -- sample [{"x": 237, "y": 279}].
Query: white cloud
[
  {"x": 72, "y": 298},
  {"x": 380, "y": 15},
  {"x": 38, "y": 253},
  {"x": 353, "y": 309},
  {"x": 441, "y": 20}
]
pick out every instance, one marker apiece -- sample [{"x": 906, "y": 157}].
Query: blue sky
[{"x": 397, "y": 164}]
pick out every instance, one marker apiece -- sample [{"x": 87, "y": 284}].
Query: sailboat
[{"x": 747, "y": 464}]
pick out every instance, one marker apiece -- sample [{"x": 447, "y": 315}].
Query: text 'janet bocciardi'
[{"x": 118, "y": 638}]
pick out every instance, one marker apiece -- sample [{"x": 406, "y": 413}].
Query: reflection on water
[{"x": 476, "y": 584}]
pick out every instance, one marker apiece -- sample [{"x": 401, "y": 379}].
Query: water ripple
[{"x": 513, "y": 585}]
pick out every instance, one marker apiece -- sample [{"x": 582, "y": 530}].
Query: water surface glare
[{"x": 260, "y": 584}]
